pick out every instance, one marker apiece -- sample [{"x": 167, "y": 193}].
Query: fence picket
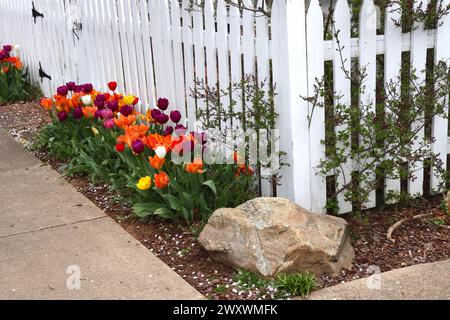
[
  {"x": 440, "y": 125},
  {"x": 342, "y": 87},
  {"x": 367, "y": 61},
  {"x": 392, "y": 70},
  {"x": 418, "y": 63}
]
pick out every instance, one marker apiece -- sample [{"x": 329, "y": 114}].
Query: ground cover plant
[{"x": 138, "y": 154}]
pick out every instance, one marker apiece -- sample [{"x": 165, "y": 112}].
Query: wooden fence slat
[
  {"x": 392, "y": 71},
  {"x": 342, "y": 87},
  {"x": 222, "y": 54},
  {"x": 418, "y": 63},
  {"x": 367, "y": 61},
  {"x": 314, "y": 27},
  {"x": 440, "y": 124}
]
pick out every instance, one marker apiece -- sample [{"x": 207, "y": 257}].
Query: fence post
[{"x": 289, "y": 58}]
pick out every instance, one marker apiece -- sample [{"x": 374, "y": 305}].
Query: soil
[{"x": 416, "y": 241}]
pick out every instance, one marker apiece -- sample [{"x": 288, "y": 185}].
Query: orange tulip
[
  {"x": 154, "y": 141},
  {"x": 195, "y": 167},
  {"x": 123, "y": 122},
  {"x": 156, "y": 162},
  {"x": 62, "y": 103},
  {"x": 5, "y": 69},
  {"x": 161, "y": 180},
  {"x": 89, "y": 112},
  {"x": 46, "y": 103},
  {"x": 133, "y": 133}
]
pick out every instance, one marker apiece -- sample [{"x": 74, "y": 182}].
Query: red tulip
[{"x": 112, "y": 85}]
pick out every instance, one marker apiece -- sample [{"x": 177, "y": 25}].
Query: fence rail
[{"x": 158, "y": 48}]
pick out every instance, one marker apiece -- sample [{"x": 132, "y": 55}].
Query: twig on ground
[{"x": 400, "y": 222}]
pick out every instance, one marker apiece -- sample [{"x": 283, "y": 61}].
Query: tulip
[
  {"x": 120, "y": 147},
  {"x": 128, "y": 99},
  {"x": 95, "y": 130},
  {"x": 161, "y": 152},
  {"x": 154, "y": 113},
  {"x": 87, "y": 100},
  {"x": 138, "y": 146},
  {"x": 161, "y": 180},
  {"x": 162, "y": 118},
  {"x": 144, "y": 183},
  {"x": 108, "y": 124},
  {"x": 107, "y": 114},
  {"x": 78, "y": 113},
  {"x": 77, "y": 88},
  {"x": 112, "y": 85},
  {"x": 168, "y": 131},
  {"x": 87, "y": 88},
  {"x": 100, "y": 97},
  {"x": 7, "y": 47},
  {"x": 175, "y": 116},
  {"x": 62, "y": 116},
  {"x": 99, "y": 103},
  {"x": 163, "y": 103},
  {"x": 113, "y": 105},
  {"x": 71, "y": 86},
  {"x": 98, "y": 114},
  {"x": 126, "y": 110},
  {"x": 62, "y": 90},
  {"x": 180, "y": 129},
  {"x": 135, "y": 101}
]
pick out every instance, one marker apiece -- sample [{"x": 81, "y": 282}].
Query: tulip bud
[
  {"x": 126, "y": 110},
  {"x": 162, "y": 118},
  {"x": 138, "y": 146},
  {"x": 62, "y": 116},
  {"x": 112, "y": 85},
  {"x": 87, "y": 100},
  {"x": 163, "y": 103},
  {"x": 168, "y": 131},
  {"x": 87, "y": 88},
  {"x": 70, "y": 86},
  {"x": 161, "y": 152},
  {"x": 62, "y": 90},
  {"x": 77, "y": 113},
  {"x": 120, "y": 147},
  {"x": 175, "y": 116},
  {"x": 108, "y": 124}
]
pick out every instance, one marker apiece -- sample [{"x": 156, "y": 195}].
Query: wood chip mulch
[{"x": 416, "y": 241}]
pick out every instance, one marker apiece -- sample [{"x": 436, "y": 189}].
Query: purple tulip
[
  {"x": 154, "y": 113},
  {"x": 162, "y": 118},
  {"x": 98, "y": 114},
  {"x": 78, "y": 113},
  {"x": 77, "y": 89},
  {"x": 163, "y": 103},
  {"x": 180, "y": 129},
  {"x": 3, "y": 55},
  {"x": 138, "y": 146},
  {"x": 107, "y": 114},
  {"x": 62, "y": 90},
  {"x": 87, "y": 88},
  {"x": 100, "y": 97},
  {"x": 71, "y": 85},
  {"x": 108, "y": 124},
  {"x": 62, "y": 116},
  {"x": 100, "y": 104},
  {"x": 126, "y": 110},
  {"x": 168, "y": 131},
  {"x": 7, "y": 48},
  {"x": 175, "y": 116},
  {"x": 113, "y": 105}
]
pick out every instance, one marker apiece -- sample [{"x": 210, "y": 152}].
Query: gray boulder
[{"x": 268, "y": 236}]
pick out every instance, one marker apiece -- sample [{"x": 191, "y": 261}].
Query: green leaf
[
  {"x": 145, "y": 209},
  {"x": 163, "y": 212},
  {"x": 174, "y": 202},
  {"x": 210, "y": 184}
]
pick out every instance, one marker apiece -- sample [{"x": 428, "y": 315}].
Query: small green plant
[
  {"x": 220, "y": 288},
  {"x": 437, "y": 221},
  {"x": 185, "y": 251},
  {"x": 247, "y": 280},
  {"x": 298, "y": 284}
]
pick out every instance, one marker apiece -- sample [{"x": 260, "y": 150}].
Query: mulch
[{"x": 416, "y": 241}]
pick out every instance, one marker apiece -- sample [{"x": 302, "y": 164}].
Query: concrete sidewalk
[
  {"x": 51, "y": 236},
  {"x": 429, "y": 281}
]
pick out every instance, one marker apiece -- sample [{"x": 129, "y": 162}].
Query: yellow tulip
[
  {"x": 144, "y": 183},
  {"x": 95, "y": 130},
  {"x": 128, "y": 99}
]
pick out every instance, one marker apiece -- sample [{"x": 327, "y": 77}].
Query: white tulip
[
  {"x": 87, "y": 100},
  {"x": 16, "y": 47},
  {"x": 161, "y": 152}
]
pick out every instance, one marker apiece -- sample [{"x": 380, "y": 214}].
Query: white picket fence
[{"x": 156, "y": 48}]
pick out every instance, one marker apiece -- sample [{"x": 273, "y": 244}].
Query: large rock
[{"x": 268, "y": 236}]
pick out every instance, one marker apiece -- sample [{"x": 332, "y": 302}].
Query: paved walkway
[
  {"x": 52, "y": 238},
  {"x": 422, "y": 281}
]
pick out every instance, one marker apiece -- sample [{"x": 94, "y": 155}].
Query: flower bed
[
  {"x": 139, "y": 154},
  {"x": 13, "y": 83}
]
